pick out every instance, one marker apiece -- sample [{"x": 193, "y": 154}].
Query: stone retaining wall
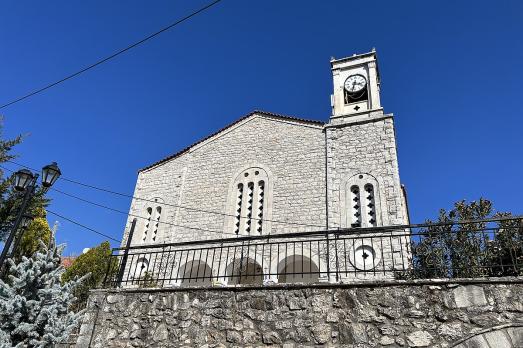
[{"x": 400, "y": 314}]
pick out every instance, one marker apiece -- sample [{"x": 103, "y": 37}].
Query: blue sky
[{"x": 451, "y": 73}]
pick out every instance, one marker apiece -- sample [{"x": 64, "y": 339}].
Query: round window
[{"x": 364, "y": 257}]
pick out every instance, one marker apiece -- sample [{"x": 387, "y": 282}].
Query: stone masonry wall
[
  {"x": 364, "y": 148},
  {"x": 294, "y": 155},
  {"x": 292, "y": 152},
  {"x": 432, "y": 314}
]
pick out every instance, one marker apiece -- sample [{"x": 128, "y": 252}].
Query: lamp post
[{"x": 26, "y": 181}]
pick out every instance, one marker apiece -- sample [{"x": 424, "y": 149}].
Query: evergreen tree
[
  {"x": 94, "y": 262},
  {"x": 10, "y": 200},
  {"x": 34, "y": 303}
]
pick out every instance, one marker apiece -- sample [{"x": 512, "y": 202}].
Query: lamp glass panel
[{"x": 22, "y": 179}]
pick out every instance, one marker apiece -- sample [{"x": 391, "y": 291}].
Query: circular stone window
[{"x": 364, "y": 257}]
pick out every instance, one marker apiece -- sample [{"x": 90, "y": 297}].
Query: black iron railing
[{"x": 486, "y": 248}]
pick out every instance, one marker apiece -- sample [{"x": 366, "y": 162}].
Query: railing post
[
  {"x": 125, "y": 254},
  {"x": 336, "y": 237},
  {"x": 328, "y": 257}
]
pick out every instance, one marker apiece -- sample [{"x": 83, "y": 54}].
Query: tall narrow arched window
[
  {"x": 370, "y": 204},
  {"x": 151, "y": 223},
  {"x": 157, "y": 217},
  {"x": 147, "y": 224},
  {"x": 362, "y": 206},
  {"x": 355, "y": 204},
  {"x": 249, "y": 202}
]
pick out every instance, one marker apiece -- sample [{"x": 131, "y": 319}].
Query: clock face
[{"x": 355, "y": 83}]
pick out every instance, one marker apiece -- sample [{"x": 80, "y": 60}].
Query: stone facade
[
  {"x": 464, "y": 314},
  {"x": 308, "y": 165},
  {"x": 291, "y": 152}
]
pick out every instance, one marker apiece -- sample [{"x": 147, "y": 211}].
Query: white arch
[
  {"x": 314, "y": 255},
  {"x": 195, "y": 273},
  {"x": 298, "y": 269},
  {"x": 244, "y": 271}
]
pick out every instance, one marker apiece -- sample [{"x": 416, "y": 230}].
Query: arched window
[
  {"x": 362, "y": 202},
  {"x": 156, "y": 223},
  {"x": 139, "y": 268},
  {"x": 147, "y": 224},
  {"x": 250, "y": 203},
  {"x": 151, "y": 225}
]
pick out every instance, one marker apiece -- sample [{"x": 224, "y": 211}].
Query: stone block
[
  {"x": 419, "y": 339},
  {"x": 516, "y": 335},
  {"x": 469, "y": 295},
  {"x": 386, "y": 341},
  {"x": 477, "y": 342},
  {"x": 234, "y": 337},
  {"x": 498, "y": 338},
  {"x": 271, "y": 337},
  {"x": 321, "y": 333}
]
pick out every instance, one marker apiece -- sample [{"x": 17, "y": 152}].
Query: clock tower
[
  {"x": 363, "y": 183},
  {"x": 356, "y": 93}
]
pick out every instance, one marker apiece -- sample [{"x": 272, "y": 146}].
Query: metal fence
[{"x": 451, "y": 250}]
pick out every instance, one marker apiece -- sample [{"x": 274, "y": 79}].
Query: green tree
[
  {"x": 458, "y": 245},
  {"x": 95, "y": 262},
  {"x": 38, "y": 230},
  {"x": 10, "y": 200},
  {"x": 505, "y": 251}
]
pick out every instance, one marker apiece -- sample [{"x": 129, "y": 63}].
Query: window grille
[
  {"x": 370, "y": 205},
  {"x": 362, "y": 202},
  {"x": 157, "y": 223},
  {"x": 356, "y": 206},
  {"x": 237, "y": 216},
  {"x": 250, "y": 202},
  {"x": 261, "y": 193},
  {"x": 147, "y": 224}
]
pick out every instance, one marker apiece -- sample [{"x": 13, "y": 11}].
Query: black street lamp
[
  {"x": 26, "y": 181},
  {"x": 22, "y": 179},
  {"x": 50, "y": 173}
]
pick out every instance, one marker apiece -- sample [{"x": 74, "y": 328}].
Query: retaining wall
[{"x": 466, "y": 313}]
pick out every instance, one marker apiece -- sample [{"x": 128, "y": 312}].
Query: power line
[
  {"x": 114, "y": 55},
  {"x": 137, "y": 216},
  {"x": 172, "y": 205},
  {"x": 83, "y": 226},
  {"x": 128, "y": 214}
]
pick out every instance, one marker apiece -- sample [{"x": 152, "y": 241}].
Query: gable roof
[{"x": 253, "y": 113}]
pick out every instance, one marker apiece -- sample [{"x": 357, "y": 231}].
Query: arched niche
[
  {"x": 244, "y": 271},
  {"x": 298, "y": 269}
]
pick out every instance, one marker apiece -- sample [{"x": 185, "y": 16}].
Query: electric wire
[
  {"x": 170, "y": 204},
  {"x": 82, "y": 225},
  {"x": 112, "y": 56},
  {"x": 125, "y": 213},
  {"x": 135, "y": 215}
]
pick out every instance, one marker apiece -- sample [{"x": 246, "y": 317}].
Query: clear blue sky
[{"x": 451, "y": 73}]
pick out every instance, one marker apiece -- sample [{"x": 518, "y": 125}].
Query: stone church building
[
  {"x": 272, "y": 200},
  {"x": 268, "y": 174}
]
